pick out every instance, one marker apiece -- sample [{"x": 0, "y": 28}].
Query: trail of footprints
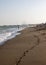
[{"x": 25, "y": 52}]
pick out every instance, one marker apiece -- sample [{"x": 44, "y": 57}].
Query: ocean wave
[{"x": 8, "y": 34}]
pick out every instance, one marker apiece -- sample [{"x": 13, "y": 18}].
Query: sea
[{"x": 9, "y": 32}]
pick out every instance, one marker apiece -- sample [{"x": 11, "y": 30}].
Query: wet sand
[{"x": 28, "y": 48}]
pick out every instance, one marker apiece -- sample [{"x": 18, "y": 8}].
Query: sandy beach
[{"x": 28, "y": 48}]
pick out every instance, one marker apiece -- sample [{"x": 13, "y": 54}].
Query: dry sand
[{"x": 28, "y": 48}]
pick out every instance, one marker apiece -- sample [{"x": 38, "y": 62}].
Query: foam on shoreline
[{"x": 9, "y": 34}]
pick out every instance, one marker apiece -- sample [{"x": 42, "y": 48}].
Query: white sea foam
[{"x": 8, "y": 34}]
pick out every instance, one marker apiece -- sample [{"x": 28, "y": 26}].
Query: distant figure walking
[{"x": 18, "y": 26}]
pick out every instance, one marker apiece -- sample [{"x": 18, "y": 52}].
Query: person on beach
[{"x": 18, "y": 26}]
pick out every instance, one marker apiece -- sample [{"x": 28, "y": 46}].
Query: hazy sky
[{"x": 22, "y": 11}]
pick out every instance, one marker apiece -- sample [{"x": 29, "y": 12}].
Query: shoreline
[
  {"x": 17, "y": 50},
  {"x": 9, "y": 34},
  {"x": 16, "y": 34},
  {"x": 3, "y": 43}
]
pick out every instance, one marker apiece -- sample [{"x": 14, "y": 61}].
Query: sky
[{"x": 14, "y": 12}]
